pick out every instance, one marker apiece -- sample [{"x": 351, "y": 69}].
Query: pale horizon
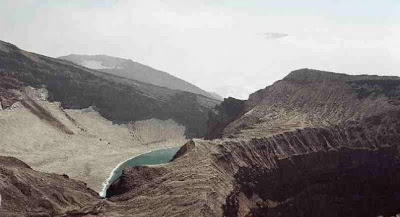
[{"x": 232, "y": 48}]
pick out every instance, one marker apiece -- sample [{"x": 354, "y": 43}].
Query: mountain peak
[
  {"x": 7, "y": 47},
  {"x": 312, "y": 75},
  {"x": 306, "y": 74}
]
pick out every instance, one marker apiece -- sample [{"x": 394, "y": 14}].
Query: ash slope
[
  {"x": 282, "y": 159},
  {"x": 133, "y": 70},
  {"x": 118, "y": 99},
  {"x": 79, "y": 143}
]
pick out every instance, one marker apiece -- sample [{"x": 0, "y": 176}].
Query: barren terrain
[
  {"x": 79, "y": 143},
  {"x": 312, "y": 144}
]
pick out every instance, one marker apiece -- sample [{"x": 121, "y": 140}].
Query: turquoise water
[{"x": 151, "y": 158}]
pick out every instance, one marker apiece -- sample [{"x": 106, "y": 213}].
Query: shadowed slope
[{"x": 118, "y": 99}]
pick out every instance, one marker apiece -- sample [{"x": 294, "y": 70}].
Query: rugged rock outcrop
[
  {"x": 313, "y": 144},
  {"x": 134, "y": 177},
  {"x": 25, "y": 192},
  {"x": 7, "y": 84},
  {"x": 308, "y": 172},
  {"x": 222, "y": 115},
  {"x": 311, "y": 98},
  {"x": 347, "y": 170}
]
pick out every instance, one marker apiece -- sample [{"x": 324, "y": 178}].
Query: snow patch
[{"x": 94, "y": 64}]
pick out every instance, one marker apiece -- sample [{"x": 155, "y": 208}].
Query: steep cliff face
[
  {"x": 347, "y": 170},
  {"x": 310, "y": 98},
  {"x": 345, "y": 183},
  {"x": 222, "y": 115}
]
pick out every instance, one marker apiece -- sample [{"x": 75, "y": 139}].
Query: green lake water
[{"x": 151, "y": 158}]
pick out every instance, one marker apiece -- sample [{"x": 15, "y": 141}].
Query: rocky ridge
[
  {"x": 311, "y": 98},
  {"x": 313, "y": 144},
  {"x": 306, "y": 143}
]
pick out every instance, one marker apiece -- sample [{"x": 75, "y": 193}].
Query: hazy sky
[{"x": 233, "y": 47}]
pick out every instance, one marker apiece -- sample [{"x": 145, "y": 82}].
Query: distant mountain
[
  {"x": 130, "y": 69},
  {"x": 120, "y": 100}
]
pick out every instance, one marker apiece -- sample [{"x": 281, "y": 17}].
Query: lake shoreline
[{"x": 110, "y": 178}]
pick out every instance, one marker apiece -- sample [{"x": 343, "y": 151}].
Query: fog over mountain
[{"x": 212, "y": 44}]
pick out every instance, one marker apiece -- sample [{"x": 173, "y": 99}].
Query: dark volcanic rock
[
  {"x": 183, "y": 150},
  {"x": 222, "y": 115},
  {"x": 134, "y": 177},
  {"x": 8, "y": 82},
  {"x": 350, "y": 170},
  {"x": 25, "y": 192},
  {"x": 346, "y": 182},
  {"x": 305, "y": 172},
  {"x": 311, "y": 98}
]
